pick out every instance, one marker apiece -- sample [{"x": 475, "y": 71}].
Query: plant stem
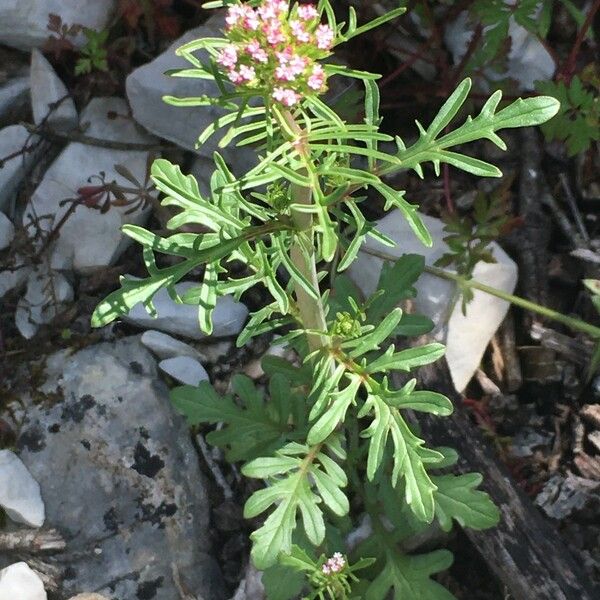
[
  {"x": 312, "y": 311},
  {"x": 571, "y": 322}
]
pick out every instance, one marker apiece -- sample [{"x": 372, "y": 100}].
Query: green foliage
[
  {"x": 333, "y": 422},
  {"x": 93, "y": 53},
  {"x": 470, "y": 236},
  {"x": 431, "y": 148},
  {"x": 578, "y": 120}
]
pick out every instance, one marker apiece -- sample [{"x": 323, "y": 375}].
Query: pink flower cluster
[
  {"x": 276, "y": 49},
  {"x": 334, "y": 564}
]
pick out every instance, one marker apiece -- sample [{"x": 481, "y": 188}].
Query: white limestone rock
[
  {"x": 164, "y": 346},
  {"x": 47, "y": 294},
  {"x": 147, "y": 85},
  {"x": 229, "y": 315},
  {"x": 185, "y": 369},
  {"x": 528, "y": 59},
  {"x": 46, "y": 90},
  {"x": 134, "y": 501},
  {"x": 19, "y": 492},
  {"x": 12, "y": 140},
  {"x": 90, "y": 240},
  {"x": 7, "y": 231},
  {"x": 24, "y": 23},
  {"x": 466, "y": 337},
  {"x": 19, "y": 582}
]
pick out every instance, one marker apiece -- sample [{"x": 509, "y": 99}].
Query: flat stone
[
  {"x": 134, "y": 503},
  {"x": 148, "y": 84},
  {"x": 47, "y": 90},
  {"x": 89, "y": 239},
  {"x": 163, "y": 345},
  {"x": 12, "y": 140},
  {"x": 185, "y": 369},
  {"x": 24, "y": 23},
  {"x": 88, "y": 597},
  {"x": 466, "y": 337},
  {"x": 19, "y": 582},
  {"x": 229, "y": 315},
  {"x": 7, "y": 231},
  {"x": 19, "y": 491},
  {"x": 47, "y": 294}
]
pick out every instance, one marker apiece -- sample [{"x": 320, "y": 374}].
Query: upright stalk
[{"x": 303, "y": 256}]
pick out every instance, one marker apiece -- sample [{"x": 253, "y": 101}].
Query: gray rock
[
  {"x": 19, "y": 491},
  {"x": 147, "y": 85},
  {"x": 561, "y": 496},
  {"x": 47, "y": 90},
  {"x": 528, "y": 59},
  {"x": 7, "y": 231},
  {"x": 163, "y": 346},
  {"x": 466, "y": 337},
  {"x": 229, "y": 315},
  {"x": 527, "y": 440},
  {"x": 12, "y": 140},
  {"x": 119, "y": 477},
  {"x": 13, "y": 94},
  {"x": 185, "y": 369},
  {"x": 90, "y": 239},
  {"x": 14, "y": 277},
  {"x": 24, "y": 23},
  {"x": 19, "y": 582},
  {"x": 47, "y": 294}
]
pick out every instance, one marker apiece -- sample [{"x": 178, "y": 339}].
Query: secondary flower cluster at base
[
  {"x": 334, "y": 564},
  {"x": 276, "y": 50}
]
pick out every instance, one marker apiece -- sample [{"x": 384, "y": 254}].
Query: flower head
[
  {"x": 286, "y": 96},
  {"x": 275, "y": 50},
  {"x": 299, "y": 31},
  {"x": 316, "y": 81},
  {"x": 306, "y": 12},
  {"x": 334, "y": 564},
  {"x": 228, "y": 56},
  {"x": 325, "y": 37}
]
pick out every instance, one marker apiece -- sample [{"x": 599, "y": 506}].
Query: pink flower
[
  {"x": 272, "y": 29},
  {"x": 297, "y": 64},
  {"x": 247, "y": 73},
  {"x": 317, "y": 78},
  {"x": 284, "y": 56},
  {"x": 251, "y": 20},
  {"x": 235, "y": 76},
  {"x": 325, "y": 37},
  {"x": 256, "y": 52},
  {"x": 286, "y": 96},
  {"x": 235, "y": 14},
  {"x": 334, "y": 564},
  {"x": 299, "y": 32},
  {"x": 273, "y": 9},
  {"x": 228, "y": 57},
  {"x": 285, "y": 73},
  {"x": 307, "y": 12}
]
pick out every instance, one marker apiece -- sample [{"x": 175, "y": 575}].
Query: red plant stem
[{"x": 568, "y": 68}]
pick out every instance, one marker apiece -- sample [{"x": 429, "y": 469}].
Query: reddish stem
[{"x": 568, "y": 68}]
